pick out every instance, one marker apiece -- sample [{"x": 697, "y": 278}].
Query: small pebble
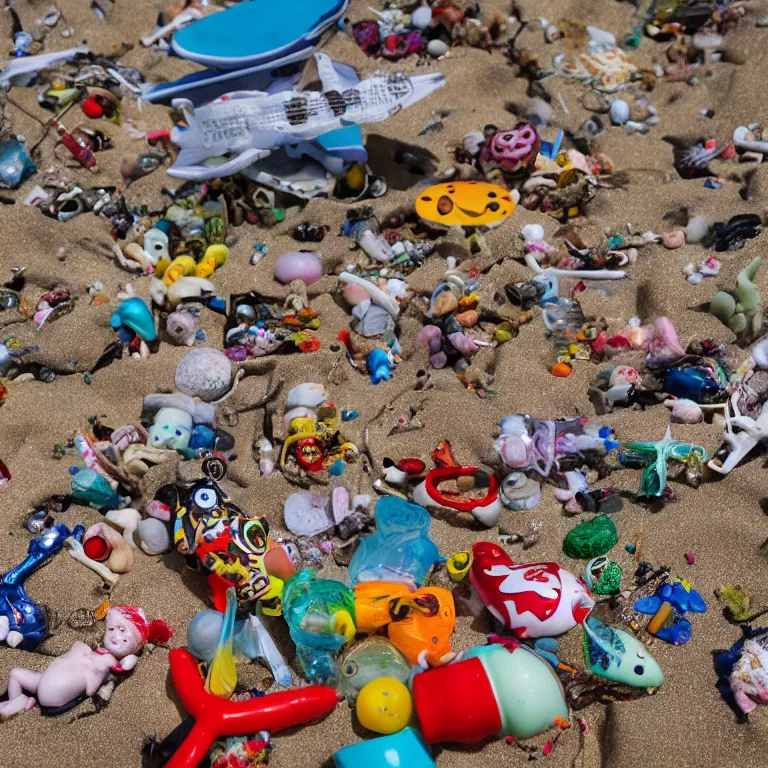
[
  {"x": 695, "y": 278},
  {"x": 437, "y": 48},
  {"x": 546, "y": 644},
  {"x": 690, "y": 558},
  {"x": 532, "y": 233},
  {"x": 421, "y": 17},
  {"x": 619, "y": 112},
  {"x": 631, "y": 548},
  {"x": 673, "y": 239}
]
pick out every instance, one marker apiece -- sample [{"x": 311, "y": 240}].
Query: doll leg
[{"x": 20, "y": 680}]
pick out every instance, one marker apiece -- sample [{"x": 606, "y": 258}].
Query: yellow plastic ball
[
  {"x": 384, "y": 705},
  {"x": 356, "y": 177}
]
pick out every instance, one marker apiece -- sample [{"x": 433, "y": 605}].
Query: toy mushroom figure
[{"x": 82, "y": 670}]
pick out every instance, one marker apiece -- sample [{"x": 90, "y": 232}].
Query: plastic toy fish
[
  {"x": 533, "y": 599},
  {"x": 419, "y": 623},
  {"x": 251, "y": 124},
  {"x": 229, "y": 545},
  {"x": 616, "y": 655},
  {"x": 23, "y": 622},
  {"x": 320, "y": 614},
  {"x": 371, "y": 658}
]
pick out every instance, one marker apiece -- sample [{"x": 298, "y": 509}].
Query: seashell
[
  {"x": 673, "y": 239},
  {"x": 307, "y": 514},
  {"x": 760, "y": 355},
  {"x": 181, "y": 328},
  {"x": 307, "y": 395},
  {"x": 686, "y": 412},
  {"x": 205, "y": 373},
  {"x": 188, "y": 288}
]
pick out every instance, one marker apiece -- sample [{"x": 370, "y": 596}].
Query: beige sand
[{"x": 686, "y": 724}]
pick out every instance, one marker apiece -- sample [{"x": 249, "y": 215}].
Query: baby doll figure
[{"x": 81, "y": 671}]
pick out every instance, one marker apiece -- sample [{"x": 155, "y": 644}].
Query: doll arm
[{"x": 126, "y": 664}]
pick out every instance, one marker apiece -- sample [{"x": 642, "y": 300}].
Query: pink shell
[
  {"x": 298, "y": 265},
  {"x": 515, "y": 451}
]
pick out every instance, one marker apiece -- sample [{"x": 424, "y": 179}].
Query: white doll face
[
  {"x": 156, "y": 244},
  {"x": 121, "y": 638}
]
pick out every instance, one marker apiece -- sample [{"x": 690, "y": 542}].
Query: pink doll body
[{"x": 83, "y": 670}]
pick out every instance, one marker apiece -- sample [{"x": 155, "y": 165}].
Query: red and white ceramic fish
[{"x": 531, "y": 599}]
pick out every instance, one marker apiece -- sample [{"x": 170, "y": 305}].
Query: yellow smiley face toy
[{"x": 466, "y": 204}]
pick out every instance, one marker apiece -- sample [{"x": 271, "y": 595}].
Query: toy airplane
[{"x": 242, "y": 128}]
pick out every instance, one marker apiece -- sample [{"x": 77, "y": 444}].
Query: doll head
[{"x": 127, "y": 631}]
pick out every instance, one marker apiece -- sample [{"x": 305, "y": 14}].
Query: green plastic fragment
[
  {"x": 609, "y": 582},
  {"x": 591, "y": 539},
  {"x": 738, "y": 602}
]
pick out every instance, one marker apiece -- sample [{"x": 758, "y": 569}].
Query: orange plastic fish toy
[{"x": 419, "y": 623}]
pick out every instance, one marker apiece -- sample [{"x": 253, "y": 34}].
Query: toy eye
[
  {"x": 350, "y": 668},
  {"x": 254, "y": 534},
  {"x": 178, "y": 433},
  {"x": 205, "y": 498},
  {"x": 639, "y": 669}
]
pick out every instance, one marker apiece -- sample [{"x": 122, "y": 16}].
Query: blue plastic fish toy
[{"x": 616, "y": 655}]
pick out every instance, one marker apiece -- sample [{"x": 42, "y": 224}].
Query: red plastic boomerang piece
[{"x": 216, "y": 717}]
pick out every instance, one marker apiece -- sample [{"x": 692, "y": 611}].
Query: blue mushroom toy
[
  {"x": 379, "y": 367},
  {"x": 133, "y": 315}
]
